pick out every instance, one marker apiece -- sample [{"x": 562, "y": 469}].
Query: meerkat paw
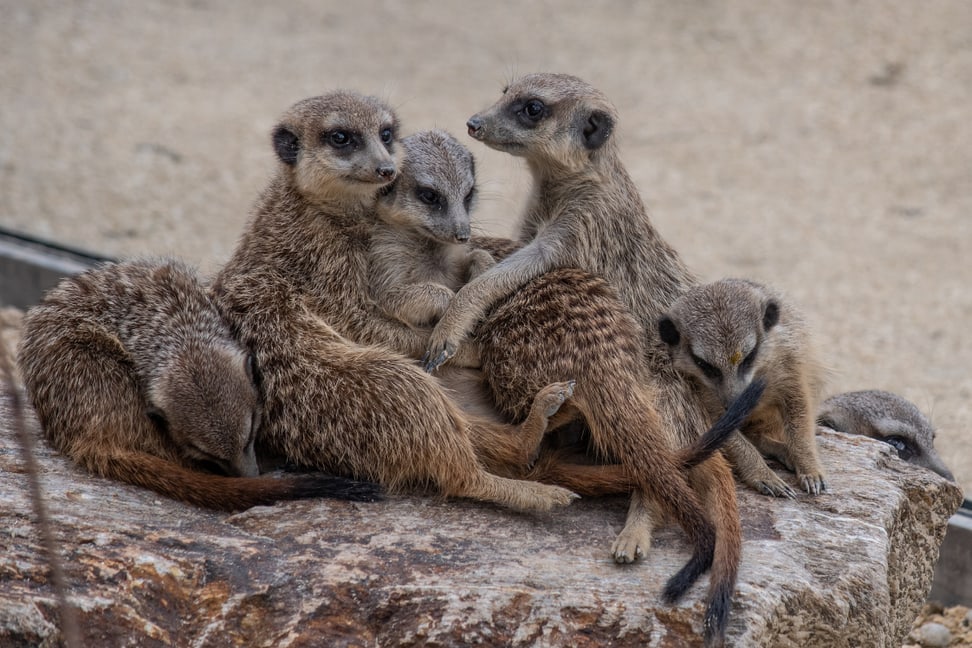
[
  {"x": 812, "y": 483},
  {"x": 547, "y": 497},
  {"x": 552, "y": 397},
  {"x": 774, "y": 487},
  {"x": 631, "y": 544}
]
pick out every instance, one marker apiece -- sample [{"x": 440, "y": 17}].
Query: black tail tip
[
  {"x": 340, "y": 488},
  {"x": 680, "y": 583},
  {"x": 717, "y": 617}
]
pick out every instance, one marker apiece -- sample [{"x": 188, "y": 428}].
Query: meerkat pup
[
  {"x": 725, "y": 334},
  {"x": 296, "y": 294},
  {"x": 421, "y": 253},
  {"x": 585, "y": 212},
  {"x": 135, "y": 377},
  {"x": 886, "y": 417}
]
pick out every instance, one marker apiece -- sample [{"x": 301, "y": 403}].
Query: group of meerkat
[{"x": 361, "y": 329}]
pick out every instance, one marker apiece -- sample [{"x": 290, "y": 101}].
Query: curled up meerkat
[
  {"x": 336, "y": 396},
  {"x": 727, "y": 333},
  {"x": 135, "y": 377}
]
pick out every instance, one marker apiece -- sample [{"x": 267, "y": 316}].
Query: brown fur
[
  {"x": 135, "y": 377},
  {"x": 296, "y": 293},
  {"x": 724, "y": 334},
  {"x": 586, "y": 212}
]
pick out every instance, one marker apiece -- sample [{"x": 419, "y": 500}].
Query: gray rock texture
[{"x": 848, "y": 568}]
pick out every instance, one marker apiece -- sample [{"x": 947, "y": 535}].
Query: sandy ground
[{"x": 823, "y": 147}]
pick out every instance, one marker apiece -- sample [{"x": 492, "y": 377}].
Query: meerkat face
[
  {"x": 339, "y": 144},
  {"x": 718, "y": 334},
  {"x": 435, "y": 189},
  {"x": 889, "y": 418},
  {"x": 552, "y": 120},
  {"x": 208, "y": 403}
]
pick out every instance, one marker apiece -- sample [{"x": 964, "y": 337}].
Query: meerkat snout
[
  {"x": 476, "y": 126},
  {"x": 386, "y": 171}
]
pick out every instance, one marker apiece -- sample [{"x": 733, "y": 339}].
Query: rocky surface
[
  {"x": 849, "y": 568},
  {"x": 938, "y": 626}
]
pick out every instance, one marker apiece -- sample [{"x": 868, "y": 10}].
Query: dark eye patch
[
  {"x": 428, "y": 196},
  {"x": 748, "y": 361},
  {"x": 905, "y": 449},
  {"x": 709, "y": 370}
]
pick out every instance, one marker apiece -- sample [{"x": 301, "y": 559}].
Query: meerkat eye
[
  {"x": 467, "y": 201},
  {"x": 904, "y": 449},
  {"x": 533, "y": 109},
  {"x": 748, "y": 361},
  {"x": 386, "y": 136},
  {"x": 428, "y": 196},
  {"x": 339, "y": 139},
  {"x": 710, "y": 371}
]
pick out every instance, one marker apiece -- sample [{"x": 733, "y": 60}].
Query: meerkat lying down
[
  {"x": 135, "y": 377},
  {"x": 886, "y": 417}
]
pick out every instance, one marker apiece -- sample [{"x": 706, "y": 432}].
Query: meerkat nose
[
  {"x": 386, "y": 171},
  {"x": 475, "y": 126}
]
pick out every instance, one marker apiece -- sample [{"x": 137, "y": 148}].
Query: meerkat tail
[
  {"x": 730, "y": 421},
  {"x": 587, "y": 480},
  {"x": 714, "y": 481},
  {"x": 227, "y": 493}
]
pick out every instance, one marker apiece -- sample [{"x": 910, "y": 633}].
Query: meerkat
[
  {"x": 421, "y": 253},
  {"x": 585, "y": 212},
  {"x": 723, "y": 335},
  {"x": 336, "y": 395},
  {"x": 886, "y": 417},
  {"x": 135, "y": 377}
]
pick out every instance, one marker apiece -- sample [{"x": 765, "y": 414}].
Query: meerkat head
[
  {"x": 555, "y": 121},
  {"x": 889, "y": 418},
  {"x": 718, "y": 333},
  {"x": 435, "y": 188},
  {"x": 337, "y": 145},
  {"x": 208, "y": 402}
]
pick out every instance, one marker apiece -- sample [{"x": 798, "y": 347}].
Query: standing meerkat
[
  {"x": 296, "y": 294},
  {"x": 586, "y": 212},
  {"x": 886, "y": 417},
  {"x": 723, "y": 335},
  {"x": 135, "y": 377}
]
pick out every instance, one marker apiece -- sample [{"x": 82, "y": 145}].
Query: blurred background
[{"x": 824, "y": 147}]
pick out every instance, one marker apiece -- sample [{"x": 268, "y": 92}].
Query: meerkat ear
[
  {"x": 286, "y": 144},
  {"x": 668, "y": 331},
  {"x": 157, "y": 416},
  {"x": 597, "y": 129},
  {"x": 771, "y": 315}
]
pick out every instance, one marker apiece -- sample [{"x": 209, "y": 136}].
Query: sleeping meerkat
[
  {"x": 585, "y": 212},
  {"x": 725, "y": 334},
  {"x": 135, "y": 377},
  {"x": 886, "y": 417},
  {"x": 336, "y": 396}
]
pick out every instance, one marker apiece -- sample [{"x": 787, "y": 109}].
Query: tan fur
[
  {"x": 724, "y": 334},
  {"x": 886, "y": 417},
  {"x": 296, "y": 293},
  {"x": 135, "y": 377},
  {"x": 585, "y": 212}
]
